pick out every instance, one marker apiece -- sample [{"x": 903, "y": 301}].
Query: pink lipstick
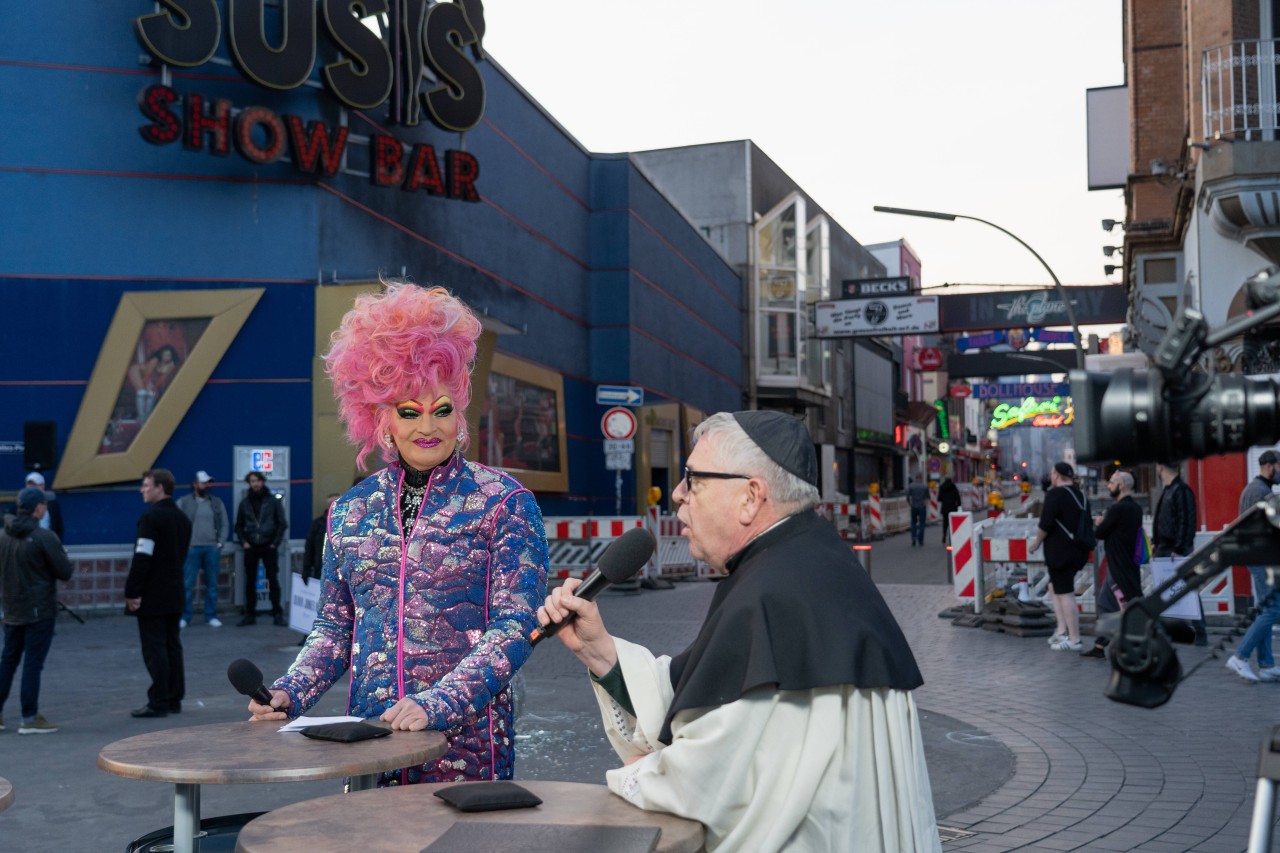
[{"x": 426, "y": 443}]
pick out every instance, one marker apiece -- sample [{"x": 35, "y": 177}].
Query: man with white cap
[
  {"x": 789, "y": 723},
  {"x": 52, "y": 519},
  {"x": 209, "y": 529}
]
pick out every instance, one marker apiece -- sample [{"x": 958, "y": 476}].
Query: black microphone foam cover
[
  {"x": 627, "y": 555},
  {"x": 246, "y": 678}
]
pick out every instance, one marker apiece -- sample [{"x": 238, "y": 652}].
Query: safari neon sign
[{"x": 1049, "y": 412}]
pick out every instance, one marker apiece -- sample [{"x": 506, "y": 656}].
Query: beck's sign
[{"x": 864, "y": 288}]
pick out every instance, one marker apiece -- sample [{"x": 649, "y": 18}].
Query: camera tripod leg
[
  {"x": 65, "y": 609},
  {"x": 1264, "y": 799}
]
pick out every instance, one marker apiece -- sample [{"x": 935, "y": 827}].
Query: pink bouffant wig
[{"x": 392, "y": 346}]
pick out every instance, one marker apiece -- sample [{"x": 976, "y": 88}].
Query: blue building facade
[{"x": 586, "y": 270}]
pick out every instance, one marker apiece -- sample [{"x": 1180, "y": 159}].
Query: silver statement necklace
[{"x": 412, "y": 492}]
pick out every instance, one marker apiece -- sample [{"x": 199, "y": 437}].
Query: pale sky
[{"x": 966, "y": 107}]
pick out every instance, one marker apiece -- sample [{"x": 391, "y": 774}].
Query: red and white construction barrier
[
  {"x": 935, "y": 509},
  {"x": 875, "y": 515},
  {"x": 574, "y": 544},
  {"x": 1218, "y": 596},
  {"x": 1009, "y": 551},
  {"x": 964, "y": 557},
  {"x": 844, "y": 516},
  {"x": 674, "y": 562}
]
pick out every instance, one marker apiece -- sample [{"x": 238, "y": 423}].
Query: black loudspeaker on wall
[{"x": 40, "y": 445}]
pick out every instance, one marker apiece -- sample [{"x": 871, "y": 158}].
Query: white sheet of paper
[
  {"x": 305, "y": 722},
  {"x": 1187, "y": 607}
]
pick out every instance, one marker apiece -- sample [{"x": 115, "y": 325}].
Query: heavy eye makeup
[
  {"x": 443, "y": 409},
  {"x": 408, "y": 411}
]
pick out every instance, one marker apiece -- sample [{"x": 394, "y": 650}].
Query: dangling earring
[{"x": 391, "y": 442}]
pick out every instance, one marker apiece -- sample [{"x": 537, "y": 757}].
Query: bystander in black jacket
[
  {"x": 313, "y": 552},
  {"x": 155, "y": 576},
  {"x": 1174, "y": 532},
  {"x": 260, "y": 519},
  {"x": 1119, "y": 531},
  {"x": 32, "y": 560}
]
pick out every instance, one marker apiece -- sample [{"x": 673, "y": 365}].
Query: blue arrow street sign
[{"x": 619, "y": 395}]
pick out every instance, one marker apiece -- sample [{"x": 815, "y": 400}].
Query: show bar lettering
[{"x": 262, "y": 137}]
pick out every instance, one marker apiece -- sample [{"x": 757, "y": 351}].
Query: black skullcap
[
  {"x": 784, "y": 439},
  {"x": 1064, "y": 470}
]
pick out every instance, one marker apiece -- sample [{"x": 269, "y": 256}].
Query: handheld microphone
[
  {"x": 625, "y": 556},
  {"x": 247, "y": 680}
]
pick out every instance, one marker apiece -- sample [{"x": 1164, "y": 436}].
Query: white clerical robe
[{"x": 829, "y": 769}]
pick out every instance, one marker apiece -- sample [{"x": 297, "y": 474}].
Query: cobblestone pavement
[{"x": 1024, "y": 750}]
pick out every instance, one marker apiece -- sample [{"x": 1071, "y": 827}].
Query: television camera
[{"x": 1172, "y": 412}]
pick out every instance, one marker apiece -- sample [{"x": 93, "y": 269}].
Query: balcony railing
[{"x": 1240, "y": 90}]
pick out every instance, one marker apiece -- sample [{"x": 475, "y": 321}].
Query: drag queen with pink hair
[{"x": 434, "y": 566}]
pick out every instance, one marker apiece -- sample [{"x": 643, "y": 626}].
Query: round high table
[
  {"x": 412, "y": 817},
  {"x": 6, "y": 793},
  {"x": 238, "y": 753}
]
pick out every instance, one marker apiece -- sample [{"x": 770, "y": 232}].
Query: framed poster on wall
[{"x": 522, "y": 429}]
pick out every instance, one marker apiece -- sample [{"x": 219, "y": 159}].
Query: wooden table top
[
  {"x": 6, "y": 793},
  {"x": 232, "y": 753},
  {"x": 411, "y": 817}
]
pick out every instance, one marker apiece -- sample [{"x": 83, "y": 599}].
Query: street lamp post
[{"x": 1062, "y": 294}]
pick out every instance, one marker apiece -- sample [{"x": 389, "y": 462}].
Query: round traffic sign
[
  {"x": 618, "y": 423},
  {"x": 929, "y": 358}
]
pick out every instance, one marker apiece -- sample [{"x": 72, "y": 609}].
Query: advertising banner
[
  {"x": 1007, "y": 309},
  {"x": 852, "y": 318}
]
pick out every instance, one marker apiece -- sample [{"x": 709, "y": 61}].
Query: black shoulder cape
[{"x": 797, "y": 612}]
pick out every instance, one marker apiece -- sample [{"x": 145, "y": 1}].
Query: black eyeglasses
[{"x": 690, "y": 474}]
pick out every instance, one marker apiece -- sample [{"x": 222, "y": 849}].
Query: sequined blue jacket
[{"x": 444, "y": 620}]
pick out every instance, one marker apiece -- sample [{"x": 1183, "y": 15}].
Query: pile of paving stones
[{"x": 1007, "y": 615}]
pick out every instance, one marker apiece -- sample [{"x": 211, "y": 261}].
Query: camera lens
[{"x": 1138, "y": 418}]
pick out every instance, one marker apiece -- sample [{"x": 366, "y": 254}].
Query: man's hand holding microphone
[{"x": 571, "y": 612}]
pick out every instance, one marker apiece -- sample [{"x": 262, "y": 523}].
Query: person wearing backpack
[{"x": 1066, "y": 531}]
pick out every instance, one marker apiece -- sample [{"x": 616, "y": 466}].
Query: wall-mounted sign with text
[
  {"x": 1053, "y": 412},
  {"x": 865, "y": 288},
  {"x": 851, "y": 318}
]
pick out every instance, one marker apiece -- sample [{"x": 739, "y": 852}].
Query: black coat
[
  {"x": 948, "y": 497},
  {"x": 313, "y": 553},
  {"x": 1120, "y": 529},
  {"x": 1174, "y": 529},
  {"x": 155, "y": 576},
  {"x": 262, "y": 522},
  {"x": 31, "y": 561}
]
